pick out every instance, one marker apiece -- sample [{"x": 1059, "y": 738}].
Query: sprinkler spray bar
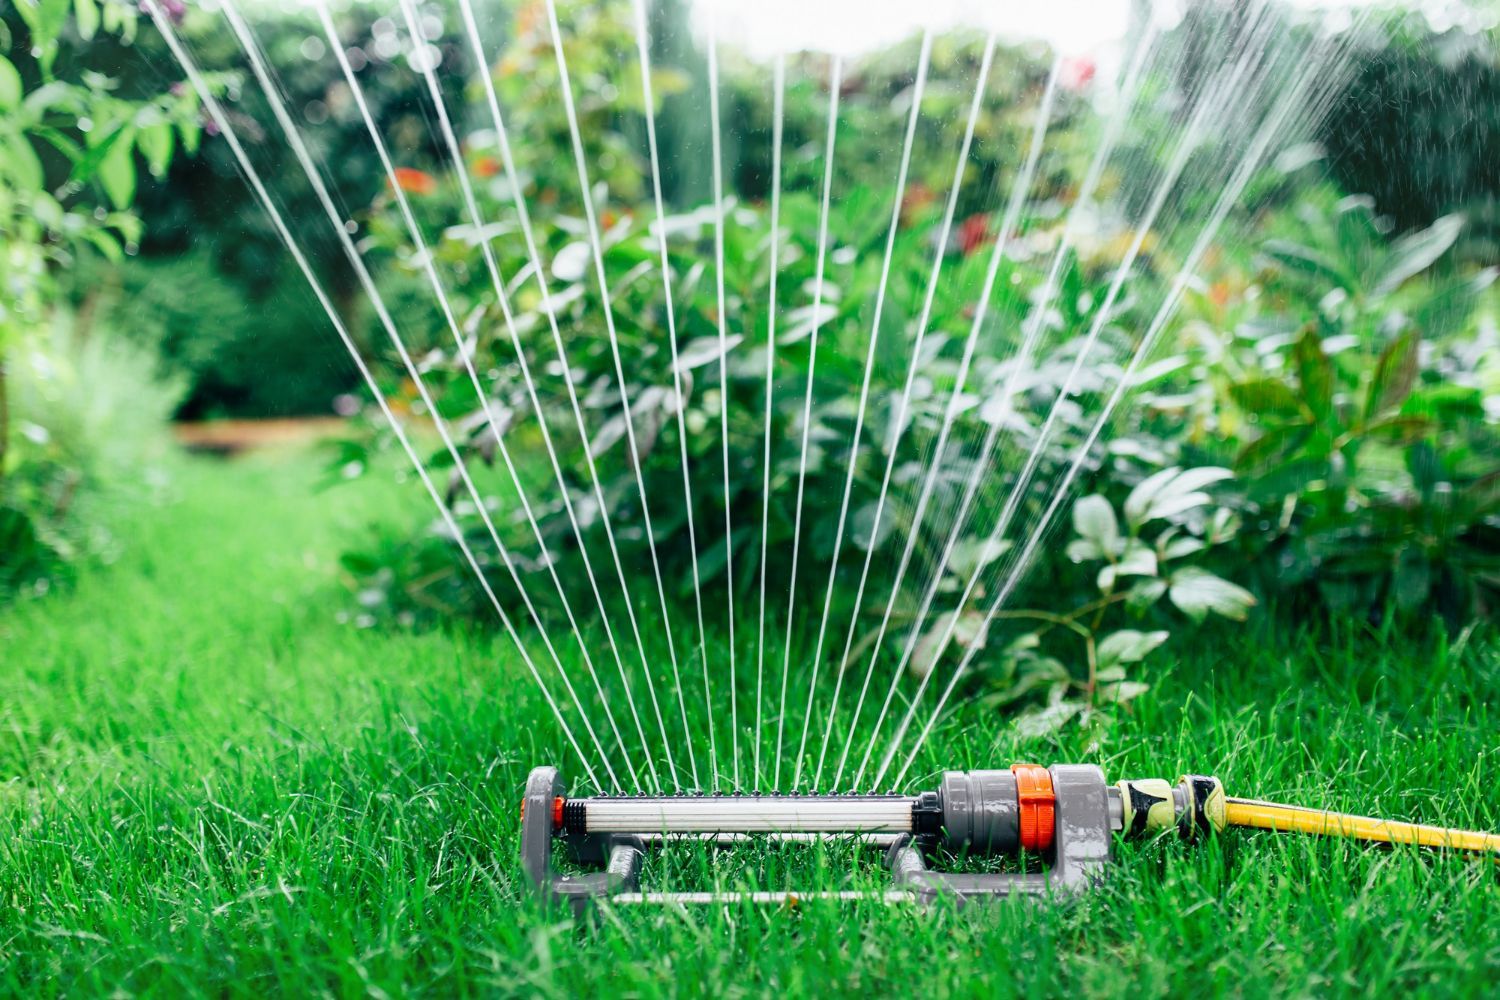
[{"x": 1066, "y": 814}]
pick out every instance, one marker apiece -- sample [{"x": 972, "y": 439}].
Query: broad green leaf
[
  {"x": 1266, "y": 396},
  {"x": 59, "y": 142},
  {"x": 1138, "y": 560},
  {"x": 10, "y": 85},
  {"x": 45, "y": 18},
  {"x": 1171, "y": 492},
  {"x": 1046, "y": 721},
  {"x": 86, "y": 14},
  {"x": 86, "y": 166},
  {"x": 1270, "y": 449},
  {"x": 1482, "y": 496},
  {"x": 1305, "y": 260},
  {"x": 117, "y": 170},
  {"x": 1395, "y": 374},
  {"x": 1139, "y": 500},
  {"x": 105, "y": 244},
  {"x": 24, "y": 167},
  {"x": 190, "y": 135},
  {"x": 1081, "y": 550},
  {"x": 1128, "y": 646},
  {"x": 1094, "y": 520},
  {"x": 1120, "y": 692},
  {"x": 703, "y": 350},
  {"x": 155, "y": 142},
  {"x": 1144, "y": 593},
  {"x": 1418, "y": 251},
  {"x": 1180, "y": 548},
  {"x": 1314, "y": 372},
  {"x": 1399, "y": 431},
  {"x": 1197, "y": 592},
  {"x": 949, "y": 628}
]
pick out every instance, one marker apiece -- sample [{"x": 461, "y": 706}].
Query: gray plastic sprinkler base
[{"x": 975, "y": 811}]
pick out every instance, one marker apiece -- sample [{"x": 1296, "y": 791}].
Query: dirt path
[{"x": 228, "y": 437}]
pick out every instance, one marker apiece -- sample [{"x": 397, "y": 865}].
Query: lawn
[{"x": 213, "y": 783}]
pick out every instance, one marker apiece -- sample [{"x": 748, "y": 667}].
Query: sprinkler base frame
[{"x": 1067, "y": 814}]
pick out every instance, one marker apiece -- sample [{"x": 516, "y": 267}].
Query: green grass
[{"x": 212, "y": 785}]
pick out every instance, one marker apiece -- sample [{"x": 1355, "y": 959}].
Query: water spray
[{"x": 1066, "y": 815}]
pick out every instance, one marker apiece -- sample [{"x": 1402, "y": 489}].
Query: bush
[
  {"x": 1418, "y": 129},
  {"x": 89, "y": 416},
  {"x": 241, "y": 353}
]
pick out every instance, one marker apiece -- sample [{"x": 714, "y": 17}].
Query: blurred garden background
[{"x": 199, "y": 498}]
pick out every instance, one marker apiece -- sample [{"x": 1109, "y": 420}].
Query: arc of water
[
  {"x": 586, "y": 192},
  {"x": 512, "y": 176},
  {"x": 899, "y": 420},
  {"x": 918, "y": 87},
  {"x": 777, "y": 116},
  {"x": 992, "y": 435},
  {"x": 1295, "y": 98},
  {"x": 263, "y": 196},
  {"x": 1008, "y": 226},
  {"x": 643, "y": 47},
  {"x": 718, "y": 154},
  {"x": 835, "y": 83},
  {"x": 1224, "y": 85},
  {"x": 1131, "y": 82},
  {"x": 304, "y": 158},
  {"x": 455, "y": 154}
]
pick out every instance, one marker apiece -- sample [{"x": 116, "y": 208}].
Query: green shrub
[
  {"x": 242, "y": 353},
  {"x": 1418, "y": 129},
  {"x": 89, "y": 416}
]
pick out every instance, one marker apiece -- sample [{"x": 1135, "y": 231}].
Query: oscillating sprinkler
[{"x": 1066, "y": 814}]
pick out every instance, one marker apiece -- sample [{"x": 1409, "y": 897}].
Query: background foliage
[{"x": 1331, "y": 387}]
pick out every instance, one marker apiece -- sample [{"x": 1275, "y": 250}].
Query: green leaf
[
  {"x": 1418, "y": 251},
  {"x": 1266, "y": 396},
  {"x": 1128, "y": 646},
  {"x": 105, "y": 244},
  {"x": 1145, "y": 593},
  {"x": 59, "y": 142},
  {"x": 10, "y": 85},
  {"x": 949, "y": 628},
  {"x": 1482, "y": 496},
  {"x": 1196, "y": 592},
  {"x": 86, "y": 12},
  {"x": 86, "y": 166},
  {"x": 1138, "y": 560},
  {"x": 117, "y": 170},
  {"x": 1314, "y": 372},
  {"x": 190, "y": 135},
  {"x": 1395, "y": 374},
  {"x": 1271, "y": 448},
  {"x": 45, "y": 18},
  {"x": 1305, "y": 260},
  {"x": 1399, "y": 431},
  {"x": 1171, "y": 492},
  {"x": 1094, "y": 520},
  {"x": 155, "y": 142},
  {"x": 22, "y": 163}
]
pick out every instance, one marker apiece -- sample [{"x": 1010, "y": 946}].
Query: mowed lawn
[{"x": 212, "y": 783}]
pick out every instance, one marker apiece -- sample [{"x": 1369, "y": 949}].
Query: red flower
[
  {"x": 415, "y": 181},
  {"x": 486, "y": 166},
  {"x": 1078, "y": 72},
  {"x": 973, "y": 232}
]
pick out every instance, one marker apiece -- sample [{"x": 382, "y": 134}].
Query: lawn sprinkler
[{"x": 1066, "y": 814}]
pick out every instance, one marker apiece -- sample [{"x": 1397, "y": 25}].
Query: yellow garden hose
[{"x": 1298, "y": 819}]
